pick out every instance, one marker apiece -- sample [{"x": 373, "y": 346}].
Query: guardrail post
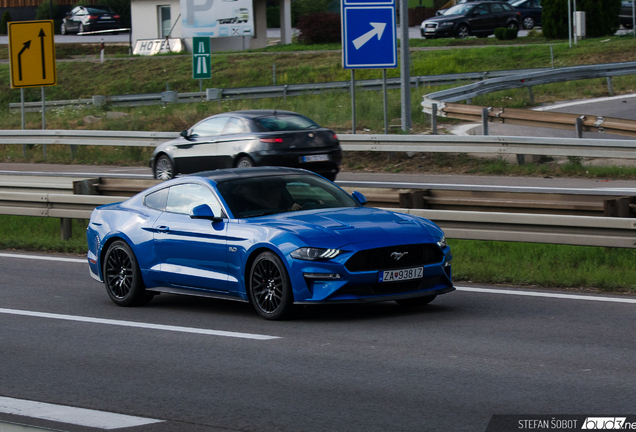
[
  {"x": 285, "y": 92},
  {"x": 484, "y": 120},
  {"x": 434, "y": 119},
  {"x": 531, "y": 94},
  {"x": 579, "y": 127},
  {"x": 66, "y": 230},
  {"x": 610, "y": 87}
]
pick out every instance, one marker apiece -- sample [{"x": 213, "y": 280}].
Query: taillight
[
  {"x": 116, "y": 16},
  {"x": 272, "y": 140},
  {"x": 335, "y": 136},
  {"x": 93, "y": 16}
]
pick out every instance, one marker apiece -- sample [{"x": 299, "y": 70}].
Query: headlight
[
  {"x": 446, "y": 24},
  {"x": 442, "y": 242},
  {"x": 312, "y": 254}
]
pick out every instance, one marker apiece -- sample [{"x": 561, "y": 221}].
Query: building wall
[{"x": 145, "y": 25}]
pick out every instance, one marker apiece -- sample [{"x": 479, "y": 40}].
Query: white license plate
[
  {"x": 315, "y": 158},
  {"x": 401, "y": 275},
  {"x": 429, "y": 30},
  {"x": 105, "y": 17}
]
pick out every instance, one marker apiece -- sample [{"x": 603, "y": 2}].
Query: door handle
[{"x": 162, "y": 228}]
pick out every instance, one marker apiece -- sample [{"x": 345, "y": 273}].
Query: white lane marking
[
  {"x": 549, "y": 295},
  {"x": 44, "y": 258},
  {"x": 71, "y": 415},
  {"x": 138, "y": 324},
  {"x": 584, "y": 102},
  {"x": 77, "y": 174}
]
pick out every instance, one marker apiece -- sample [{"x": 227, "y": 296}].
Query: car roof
[
  {"x": 256, "y": 113},
  {"x": 223, "y": 175}
]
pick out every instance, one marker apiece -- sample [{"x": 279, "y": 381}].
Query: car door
[
  {"x": 482, "y": 20},
  {"x": 72, "y": 22},
  {"x": 236, "y": 138},
  {"x": 191, "y": 253},
  {"x": 500, "y": 15},
  {"x": 199, "y": 151}
]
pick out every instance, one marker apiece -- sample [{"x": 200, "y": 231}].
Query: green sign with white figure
[{"x": 201, "y": 63}]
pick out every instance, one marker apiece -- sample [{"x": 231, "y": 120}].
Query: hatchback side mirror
[
  {"x": 184, "y": 133},
  {"x": 359, "y": 197}
]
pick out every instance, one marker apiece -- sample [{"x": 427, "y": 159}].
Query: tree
[
  {"x": 6, "y": 19},
  {"x": 601, "y": 17}
]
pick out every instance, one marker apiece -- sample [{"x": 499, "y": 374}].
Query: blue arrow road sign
[{"x": 369, "y": 35}]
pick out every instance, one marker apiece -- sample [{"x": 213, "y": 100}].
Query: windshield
[
  {"x": 459, "y": 9},
  {"x": 261, "y": 196},
  {"x": 518, "y": 3},
  {"x": 285, "y": 122}
]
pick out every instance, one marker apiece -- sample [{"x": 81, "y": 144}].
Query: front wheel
[
  {"x": 269, "y": 287},
  {"x": 164, "y": 169},
  {"x": 417, "y": 301},
  {"x": 80, "y": 29},
  {"x": 462, "y": 31},
  {"x": 122, "y": 276},
  {"x": 244, "y": 162},
  {"x": 513, "y": 25},
  {"x": 63, "y": 29}
]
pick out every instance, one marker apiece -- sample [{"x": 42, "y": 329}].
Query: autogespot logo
[{"x": 607, "y": 423}]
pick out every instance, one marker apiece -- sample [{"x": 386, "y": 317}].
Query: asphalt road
[{"x": 445, "y": 367}]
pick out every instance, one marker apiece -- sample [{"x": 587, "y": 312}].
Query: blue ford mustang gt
[{"x": 274, "y": 237}]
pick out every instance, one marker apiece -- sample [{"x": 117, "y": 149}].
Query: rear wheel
[
  {"x": 528, "y": 22},
  {"x": 462, "y": 31},
  {"x": 63, "y": 29},
  {"x": 417, "y": 301},
  {"x": 269, "y": 287},
  {"x": 80, "y": 29},
  {"x": 244, "y": 162},
  {"x": 164, "y": 169},
  {"x": 122, "y": 277},
  {"x": 513, "y": 25}
]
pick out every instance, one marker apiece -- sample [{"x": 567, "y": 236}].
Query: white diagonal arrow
[{"x": 378, "y": 29}]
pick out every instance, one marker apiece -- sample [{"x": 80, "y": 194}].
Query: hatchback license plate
[
  {"x": 315, "y": 158},
  {"x": 401, "y": 275}
]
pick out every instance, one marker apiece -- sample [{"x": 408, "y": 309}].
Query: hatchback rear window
[{"x": 285, "y": 122}]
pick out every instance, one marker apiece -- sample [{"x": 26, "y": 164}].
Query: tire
[
  {"x": 164, "y": 168},
  {"x": 122, "y": 277},
  {"x": 80, "y": 29},
  {"x": 528, "y": 22},
  {"x": 513, "y": 25},
  {"x": 63, "y": 29},
  {"x": 417, "y": 301},
  {"x": 462, "y": 31},
  {"x": 244, "y": 162},
  {"x": 269, "y": 287}
]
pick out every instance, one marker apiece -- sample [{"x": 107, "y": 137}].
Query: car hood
[
  {"x": 441, "y": 18},
  {"x": 337, "y": 228}
]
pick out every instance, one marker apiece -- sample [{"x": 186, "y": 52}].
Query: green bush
[
  {"x": 6, "y": 19},
  {"x": 43, "y": 13},
  {"x": 503, "y": 33},
  {"x": 601, "y": 17},
  {"x": 319, "y": 28},
  {"x": 273, "y": 16},
  {"x": 500, "y": 33}
]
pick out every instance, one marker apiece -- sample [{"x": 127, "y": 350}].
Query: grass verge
[{"x": 553, "y": 266}]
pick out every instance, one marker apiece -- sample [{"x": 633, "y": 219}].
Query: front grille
[
  {"x": 381, "y": 259},
  {"x": 384, "y": 288},
  {"x": 431, "y": 26}
]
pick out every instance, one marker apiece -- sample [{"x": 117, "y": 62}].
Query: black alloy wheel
[
  {"x": 528, "y": 23},
  {"x": 164, "y": 169},
  {"x": 417, "y": 301},
  {"x": 269, "y": 287},
  {"x": 244, "y": 162},
  {"x": 462, "y": 31},
  {"x": 122, "y": 277},
  {"x": 513, "y": 25}
]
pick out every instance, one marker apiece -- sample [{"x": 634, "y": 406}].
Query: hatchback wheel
[
  {"x": 63, "y": 29},
  {"x": 269, "y": 287},
  {"x": 513, "y": 25},
  {"x": 122, "y": 277},
  {"x": 528, "y": 23},
  {"x": 80, "y": 29},
  {"x": 244, "y": 162},
  {"x": 462, "y": 31},
  {"x": 164, "y": 170}
]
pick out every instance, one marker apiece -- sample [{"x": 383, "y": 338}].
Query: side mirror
[
  {"x": 184, "y": 133},
  {"x": 359, "y": 197},
  {"x": 204, "y": 211},
  {"x": 438, "y": 13}
]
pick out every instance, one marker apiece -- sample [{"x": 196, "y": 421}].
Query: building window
[{"x": 164, "y": 21}]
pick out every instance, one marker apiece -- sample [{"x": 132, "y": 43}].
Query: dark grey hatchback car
[
  {"x": 479, "y": 19},
  {"x": 245, "y": 139}
]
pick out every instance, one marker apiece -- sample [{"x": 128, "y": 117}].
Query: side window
[
  {"x": 157, "y": 200},
  {"x": 211, "y": 127},
  {"x": 506, "y": 7},
  {"x": 234, "y": 126},
  {"x": 482, "y": 9},
  {"x": 184, "y": 197},
  {"x": 496, "y": 7}
]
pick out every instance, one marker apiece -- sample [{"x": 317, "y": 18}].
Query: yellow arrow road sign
[{"x": 32, "y": 54}]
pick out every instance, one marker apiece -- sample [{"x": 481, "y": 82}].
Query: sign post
[
  {"x": 201, "y": 61},
  {"x": 32, "y": 58},
  {"x": 369, "y": 38}
]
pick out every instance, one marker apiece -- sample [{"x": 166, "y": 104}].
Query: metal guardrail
[
  {"x": 527, "y": 79},
  {"x": 359, "y": 142},
  {"x": 275, "y": 91}
]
